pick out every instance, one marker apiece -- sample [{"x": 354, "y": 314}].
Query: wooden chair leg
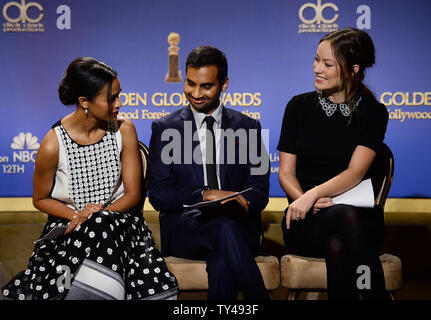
[
  {"x": 271, "y": 295},
  {"x": 292, "y": 294}
]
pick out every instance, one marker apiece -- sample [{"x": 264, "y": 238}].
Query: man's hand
[{"x": 212, "y": 194}]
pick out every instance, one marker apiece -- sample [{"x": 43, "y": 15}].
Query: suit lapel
[
  {"x": 227, "y": 121},
  {"x": 187, "y": 116}
]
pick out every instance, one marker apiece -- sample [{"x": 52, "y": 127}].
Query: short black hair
[{"x": 207, "y": 55}]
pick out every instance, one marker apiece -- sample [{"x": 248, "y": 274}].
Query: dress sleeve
[
  {"x": 289, "y": 128},
  {"x": 374, "y": 127}
]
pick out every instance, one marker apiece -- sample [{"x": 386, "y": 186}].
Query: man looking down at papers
[{"x": 205, "y": 152}]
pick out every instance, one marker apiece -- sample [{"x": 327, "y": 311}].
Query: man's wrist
[{"x": 205, "y": 188}]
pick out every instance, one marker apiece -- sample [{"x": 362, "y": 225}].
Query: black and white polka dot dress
[{"x": 109, "y": 249}]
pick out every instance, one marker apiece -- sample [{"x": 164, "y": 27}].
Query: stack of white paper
[
  {"x": 54, "y": 233},
  {"x": 360, "y": 196}
]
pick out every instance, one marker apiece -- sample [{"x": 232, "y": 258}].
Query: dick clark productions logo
[
  {"x": 23, "y": 12},
  {"x": 318, "y": 23},
  {"x": 27, "y": 17}
]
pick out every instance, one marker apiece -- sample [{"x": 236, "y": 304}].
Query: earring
[{"x": 86, "y": 110}]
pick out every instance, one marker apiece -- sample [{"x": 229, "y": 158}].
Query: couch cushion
[
  {"x": 184, "y": 268},
  {"x": 299, "y": 272}
]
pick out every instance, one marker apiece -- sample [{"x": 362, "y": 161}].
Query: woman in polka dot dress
[{"x": 87, "y": 179}]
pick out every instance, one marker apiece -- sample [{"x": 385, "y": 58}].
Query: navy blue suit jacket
[{"x": 172, "y": 185}]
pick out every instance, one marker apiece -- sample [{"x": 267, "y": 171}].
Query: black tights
[{"x": 349, "y": 238}]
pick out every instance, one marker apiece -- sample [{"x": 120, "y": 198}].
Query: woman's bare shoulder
[{"x": 49, "y": 143}]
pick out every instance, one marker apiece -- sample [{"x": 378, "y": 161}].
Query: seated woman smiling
[
  {"x": 329, "y": 139},
  {"x": 88, "y": 177}
]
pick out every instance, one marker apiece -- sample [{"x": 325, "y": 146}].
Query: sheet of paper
[
  {"x": 54, "y": 233},
  {"x": 361, "y": 195},
  {"x": 204, "y": 204}
]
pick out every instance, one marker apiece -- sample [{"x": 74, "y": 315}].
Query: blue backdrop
[{"x": 270, "y": 46}]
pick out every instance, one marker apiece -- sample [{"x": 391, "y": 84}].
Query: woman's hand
[
  {"x": 298, "y": 209},
  {"x": 322, "y": 203},
  {"x": 82, "y": 216}
]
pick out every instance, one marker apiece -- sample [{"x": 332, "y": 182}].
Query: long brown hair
[{"x": 352, "y": 46}]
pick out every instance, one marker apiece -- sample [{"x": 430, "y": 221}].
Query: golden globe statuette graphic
[{"x": 173, "y": 74}]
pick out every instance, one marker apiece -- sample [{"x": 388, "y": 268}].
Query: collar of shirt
[
  {"x": 216, "y": 114},
  {"x": 201, "y": 126}
]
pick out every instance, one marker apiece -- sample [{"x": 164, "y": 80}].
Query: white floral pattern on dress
[{"x": 111, "y": 238}]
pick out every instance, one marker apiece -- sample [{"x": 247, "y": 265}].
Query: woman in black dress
[
  {"x": 87, "y": 179},
  {"x": 329, "y": 139}
]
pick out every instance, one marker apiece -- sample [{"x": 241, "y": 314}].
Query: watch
[{"x": 204, "y": 189}]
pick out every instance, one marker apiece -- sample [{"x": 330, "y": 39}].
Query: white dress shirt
[{"x": 201, "y": 127}]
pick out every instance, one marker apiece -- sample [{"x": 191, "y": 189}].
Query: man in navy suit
[{"x": 205, "y": 152}]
